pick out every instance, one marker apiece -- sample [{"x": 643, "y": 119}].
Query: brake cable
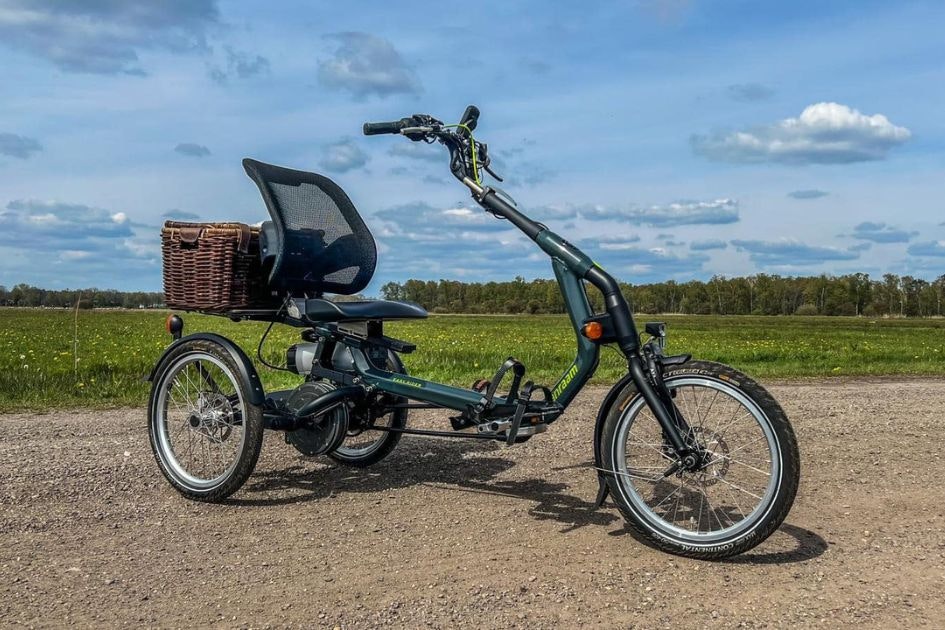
[{"x": 472, "y": 142}]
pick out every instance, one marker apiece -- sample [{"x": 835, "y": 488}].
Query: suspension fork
[{"x": 659, "y": 401}]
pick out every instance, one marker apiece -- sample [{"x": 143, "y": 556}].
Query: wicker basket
[{"x": 213, "y": 267}]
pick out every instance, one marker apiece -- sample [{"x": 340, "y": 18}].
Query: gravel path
[{"x": 449, "y": 534}]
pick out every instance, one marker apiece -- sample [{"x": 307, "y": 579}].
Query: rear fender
[{"x": 246, "y": 369}]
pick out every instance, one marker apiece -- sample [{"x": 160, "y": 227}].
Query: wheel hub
[
  {"x": 214, "y": 415},
  {"x": 714, "y": 457}
]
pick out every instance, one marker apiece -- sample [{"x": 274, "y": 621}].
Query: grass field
[{"x": 116, "y": 349}]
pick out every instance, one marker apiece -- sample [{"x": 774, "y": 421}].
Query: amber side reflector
[
  {"x": 593, "y": 331},
  {"x": 174, "y": 325}
]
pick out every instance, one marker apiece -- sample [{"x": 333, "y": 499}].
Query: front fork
[{"x": 646, "y": 370}]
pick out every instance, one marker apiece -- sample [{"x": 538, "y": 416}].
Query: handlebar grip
[{"x": 374, "y": 129}]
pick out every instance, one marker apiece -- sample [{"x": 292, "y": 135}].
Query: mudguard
[
  {"x": 603, "y": 490},
  {"x": 246, "y": 370}
]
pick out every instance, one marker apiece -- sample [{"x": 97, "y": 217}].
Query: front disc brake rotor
[{"x": 716, "y": 454}]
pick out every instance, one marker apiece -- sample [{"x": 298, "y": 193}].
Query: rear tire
[
  {"x": 745, "y": 490},
  {"x": 204, "y": 432},
  {"x": 357, "y": 452}
]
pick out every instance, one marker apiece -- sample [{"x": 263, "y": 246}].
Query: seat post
[{"x": 375, "y": 328}]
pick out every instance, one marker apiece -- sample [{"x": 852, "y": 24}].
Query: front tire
[
  {"x": 204, "y": 432},
  {"x": 746, "y": 486}
]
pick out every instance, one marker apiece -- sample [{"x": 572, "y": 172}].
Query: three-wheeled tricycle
[{"x": 698, "y": 457}]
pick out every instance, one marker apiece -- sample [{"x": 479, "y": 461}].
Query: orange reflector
[
  {"x": 593, "y": 330},
  {"x": 167, "y": 323}
]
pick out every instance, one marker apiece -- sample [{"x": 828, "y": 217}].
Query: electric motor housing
[{"x": 302, "y": 356}]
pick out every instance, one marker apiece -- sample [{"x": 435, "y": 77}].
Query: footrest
[{"x": 518, "y": 371}]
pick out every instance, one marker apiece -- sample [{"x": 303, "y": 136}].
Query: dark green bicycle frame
[{"x": 570, "y": 265}]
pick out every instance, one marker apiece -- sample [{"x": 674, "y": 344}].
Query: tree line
[
  {"x": 760, "y": 294},
  {"x": 27, "y": 295}
]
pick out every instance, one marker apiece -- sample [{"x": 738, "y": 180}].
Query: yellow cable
[{"x": 473, "y": 150}]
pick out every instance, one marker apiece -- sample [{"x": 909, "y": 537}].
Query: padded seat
[{"x": 318, "y": 310}]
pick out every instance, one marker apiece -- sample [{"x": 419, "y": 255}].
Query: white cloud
[
  {"x": 824, "y": 133},
  {"x": 788, "y": 252},
  {"x": 104, "y": 37},
  {"x": 18, "y": 146},
  {"x": 719, "y": 211},
  {"x": 90, "y": 242},
  {"x": 364, "y": 64},
  {"x": 882, "y": 233},
  {"x": 343, "y": 156},
  {"x": 192, "y": 149}
]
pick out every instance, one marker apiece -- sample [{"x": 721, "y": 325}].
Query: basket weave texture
[{"x": 213, "y": 267}]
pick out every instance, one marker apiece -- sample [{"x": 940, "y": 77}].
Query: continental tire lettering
[
  {"x": 700, "y": 372},
  {"x": 565, "y": 380},
  {"x": 691, "y": 371}
]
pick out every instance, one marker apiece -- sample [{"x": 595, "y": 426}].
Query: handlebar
[{"x": 467, "y": 155}]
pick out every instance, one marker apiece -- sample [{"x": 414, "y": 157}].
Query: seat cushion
[{"x": 318, "y": 310}]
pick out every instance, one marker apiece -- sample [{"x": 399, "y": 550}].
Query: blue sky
[{"x": 672, "y": 139}]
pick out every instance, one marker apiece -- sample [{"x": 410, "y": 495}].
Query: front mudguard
[
  {"x": 603, "y": 489},
  {"x": 609, "y": 401},
  {"x": 257, "y": 394}
]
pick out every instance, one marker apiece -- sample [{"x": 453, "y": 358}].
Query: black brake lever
[
  {"x": 491, "y": 172},
  {"x": 483, "y": 150}
]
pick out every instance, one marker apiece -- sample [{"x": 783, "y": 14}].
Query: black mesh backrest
[{"x": 322, "y": 243}]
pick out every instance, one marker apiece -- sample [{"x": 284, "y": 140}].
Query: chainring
[{"x": 326, "y": 432}]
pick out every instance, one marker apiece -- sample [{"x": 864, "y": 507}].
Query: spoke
[
  {"x": 676, "y": 508},
  {"x": 737, "y": 487},
  {"x": 698, "y": 402},
  {"x": 735, "y": 501},
  {"x": 183, "y": 426},
  {"x": 701, "y": 503},
  {"x": 715, "y": 396},
  {"x": 758, "y": 470},
  {"x": 747, "y": 414},
  {"x": 622, "y": 473},
  {"x": 678, "y": 488},
  {"x": 715, "y": 512},
  {"x": 182, "y": 388},
  {"x": 744, "y": 446},
  {"x": 652, "y": 447}
]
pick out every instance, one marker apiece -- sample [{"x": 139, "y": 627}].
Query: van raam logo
[
  {"x": 405, "y": 381},
  {"x": 565, "y": 381}
]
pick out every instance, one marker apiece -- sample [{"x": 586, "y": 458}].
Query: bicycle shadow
[
  {"x": 443, "y": 461},
  {"x": 460, "y": 465},
  {"x": 467, "y": 466}
]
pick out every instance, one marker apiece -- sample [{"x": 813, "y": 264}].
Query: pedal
[
  {"x": 498, "y": 427},
  {"x": 495, "y": 426}
]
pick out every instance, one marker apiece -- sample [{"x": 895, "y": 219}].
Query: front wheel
[{"x": 746, "y": 480}]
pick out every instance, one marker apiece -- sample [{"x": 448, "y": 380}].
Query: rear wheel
[
  {"x": 205, "y": 434},
  {"x": 363, "y": 446},
  {"x": 742, "y": 488}
]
